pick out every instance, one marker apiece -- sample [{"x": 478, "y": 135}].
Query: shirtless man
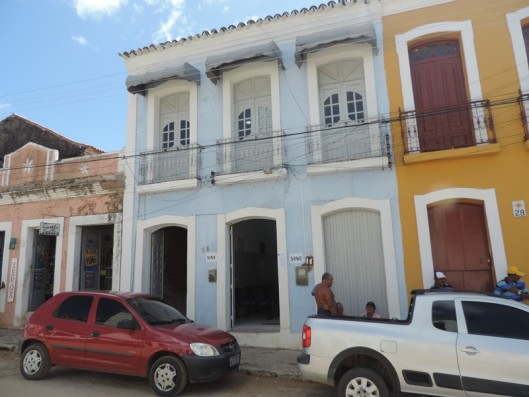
[{"x": 325, "y": 297}]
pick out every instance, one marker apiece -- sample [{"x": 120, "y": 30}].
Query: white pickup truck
[{"x": 452, "y": 344}]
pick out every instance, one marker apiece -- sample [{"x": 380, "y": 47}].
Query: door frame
[
  {"x": 142, "y": 265},
  {"x": 492, "y": 219},
  {"x": 318, "y": 212},
  {"x": 224, "y": 222},
  {"x": 6, "y": 228},
  {"x": 24, "y": 265}
]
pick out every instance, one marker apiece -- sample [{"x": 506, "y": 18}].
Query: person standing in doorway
[
  {"x": 325, "y": 297},
  {"x": 512, "y": 287}
]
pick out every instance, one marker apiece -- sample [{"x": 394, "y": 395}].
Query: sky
[{"x": 60, "y": 65}]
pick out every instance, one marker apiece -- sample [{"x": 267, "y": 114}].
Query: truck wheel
[
  {"x": 362, "y": 382},
  {"x": 168, "y": 376}
]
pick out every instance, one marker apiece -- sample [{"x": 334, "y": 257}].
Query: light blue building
[{"x": 258, "y": 157}]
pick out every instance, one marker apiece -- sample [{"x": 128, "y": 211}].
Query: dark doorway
[
  {"x": 439, "y": 90},
  {"x": 169, "y": 266},
  {"x": 255, "y": 280},
  {"x": 96, "y": 258},
  {"x": 460, "y": 245},
  {"x": 42, "y": 269}
]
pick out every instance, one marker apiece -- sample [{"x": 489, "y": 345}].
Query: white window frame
[
  {"x": 464, "y": 29},
  {"x": 153, "y": 111},
  {"x": 153, "y": 139},
  {"x": 244, "y": 72},
  {"x": 333, "y": 54},
  {"x": 514, "y": 23}
]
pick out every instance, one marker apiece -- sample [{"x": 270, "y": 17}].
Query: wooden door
[
  {"x": 443, "y": 117},
  {"x": 460, "y": 245}
]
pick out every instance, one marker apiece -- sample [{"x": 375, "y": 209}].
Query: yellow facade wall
[{"x": 503, "y": 167}]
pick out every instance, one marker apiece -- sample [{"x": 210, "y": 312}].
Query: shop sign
[
  {"x": 49, "y": 229},
  {"x": 12, "y": 278}
]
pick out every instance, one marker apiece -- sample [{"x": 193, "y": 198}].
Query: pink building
[{"x": 60, "y": 217}]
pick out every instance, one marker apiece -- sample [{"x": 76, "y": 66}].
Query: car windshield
[{"x": 156, "y": 312}]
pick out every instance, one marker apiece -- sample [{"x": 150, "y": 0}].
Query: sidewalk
[{"x": 280, "y": 363}]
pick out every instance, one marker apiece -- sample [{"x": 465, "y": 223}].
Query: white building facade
[{"x": 259, "y": 157}]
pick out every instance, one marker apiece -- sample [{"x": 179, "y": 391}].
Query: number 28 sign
[{"x": 518, "y": 208}]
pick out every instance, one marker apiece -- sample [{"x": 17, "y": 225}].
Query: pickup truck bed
[{"x": 452, "y": 344}]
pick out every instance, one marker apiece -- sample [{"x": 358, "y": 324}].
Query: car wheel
[
  {"x": 168, "y": 376},
  {"x": 35, "y": 362},
  {"x": 362, "y": 382}
]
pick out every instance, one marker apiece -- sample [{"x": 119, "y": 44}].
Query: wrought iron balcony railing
[
  {"x": 450, "y": 127},
  {"x": 170, "y": 164},
  {"x": 256, "y": 152},
  {"x": 344, "y": 142}
]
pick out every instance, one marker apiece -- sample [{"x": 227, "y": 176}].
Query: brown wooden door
[
  {"x": 439, "y": 92},
  {"x": 460, "y": 245}
]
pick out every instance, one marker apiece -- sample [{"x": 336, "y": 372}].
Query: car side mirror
[{"x": 127, "y": 324}]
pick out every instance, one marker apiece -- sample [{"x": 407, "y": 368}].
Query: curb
[{"x": 270, "y": 374}]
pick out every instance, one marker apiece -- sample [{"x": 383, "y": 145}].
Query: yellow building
[{"x": 458, "y": 85}]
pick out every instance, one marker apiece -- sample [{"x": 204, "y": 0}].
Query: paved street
[{"x": 70, "y": 382}]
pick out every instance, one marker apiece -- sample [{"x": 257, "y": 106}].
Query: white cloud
[
  {"x": 80, "y": 39},
  {"x": 174, "y": 9},
  {"x": 97, "y": 8},
  {"x": 4, "y": 105}
]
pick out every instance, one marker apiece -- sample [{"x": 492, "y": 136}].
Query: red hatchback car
[{"x": 125, "y": 333}]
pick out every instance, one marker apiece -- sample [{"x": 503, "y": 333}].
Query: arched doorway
[
  {"x": 460, "y": 244},
  {"x": 354, "y": 256},
  {"x": 255, "y": 293}
]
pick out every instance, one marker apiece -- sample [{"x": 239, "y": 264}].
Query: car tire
[
  {"x": 168, "y": 376},
  {"x": 362, "y": 382},
  {"x": 35, "y": 362}
]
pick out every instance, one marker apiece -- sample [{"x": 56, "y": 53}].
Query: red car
[{"x": 125, "y": 333}]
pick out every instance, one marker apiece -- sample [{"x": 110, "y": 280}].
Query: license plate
[{"x": 234, "y": 360}]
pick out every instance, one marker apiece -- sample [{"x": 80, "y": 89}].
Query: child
[{"x": 370, "y": 310}]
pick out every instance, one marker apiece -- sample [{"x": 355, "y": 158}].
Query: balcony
[
  {"x": 523, "y": 101},
  {"x": 459, "y": 126},
  {"x": 344, "y": 142},
  {"x": 256, "y": 152},
  {"x": 172, "y": 164}
]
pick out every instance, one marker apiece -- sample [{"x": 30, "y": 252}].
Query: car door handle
[
  {"x": 49, "y": 327},
  {"x": 470, "y": 350},
  {"x": 95, "y": 334}
]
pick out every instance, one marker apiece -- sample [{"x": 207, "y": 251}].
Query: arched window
[
  {"x": 174, "y": 120},
  {"x": 253, "y": 109},
  {"x": 342, "y": 92}
]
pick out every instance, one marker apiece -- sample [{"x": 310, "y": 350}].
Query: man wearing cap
[
  {"x": 512, "y": 287},
  {"x": 440, "y": 281}
]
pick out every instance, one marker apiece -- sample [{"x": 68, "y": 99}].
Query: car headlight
[{"x": 204, "y": 350}]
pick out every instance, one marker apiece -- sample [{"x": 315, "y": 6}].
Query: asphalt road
[{"x": 77, "y": 383}]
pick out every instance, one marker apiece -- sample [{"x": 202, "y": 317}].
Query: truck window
[
  {"x": 444, "y": 315},
  {"x": 496, "y": 320}
]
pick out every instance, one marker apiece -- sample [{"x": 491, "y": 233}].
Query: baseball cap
[
  {"x": 514, "y": 270},
  {"x": 439, "y": 275}
]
